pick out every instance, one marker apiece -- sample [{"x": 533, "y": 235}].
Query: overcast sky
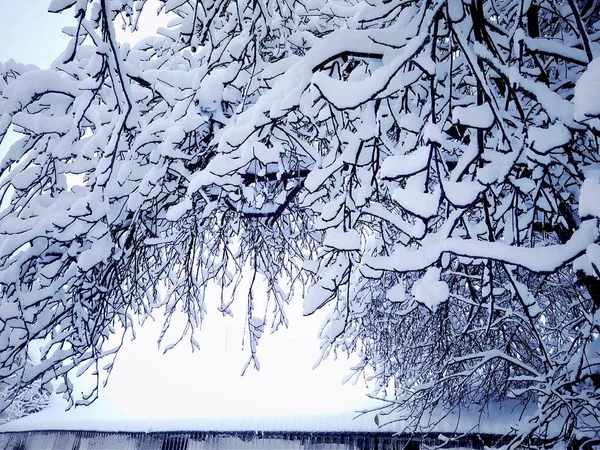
[
  {"x": 29, "y": 34},
  {"x": 208, "y": 383}
]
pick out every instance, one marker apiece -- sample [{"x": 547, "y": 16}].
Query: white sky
[
  {"x": 29, "y": 34},
  {"x": 208, "y": 383}
]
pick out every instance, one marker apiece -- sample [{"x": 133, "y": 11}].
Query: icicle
[{"x": 196, "y": 442}]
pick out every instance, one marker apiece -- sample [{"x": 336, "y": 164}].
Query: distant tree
[
  {"x": 30, "y": 399},
  {"x": 430, "y": 168}
]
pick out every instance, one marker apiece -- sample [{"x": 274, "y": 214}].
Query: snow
[
  {"x": 416, "y": 230},
  {"x": 462, "y": 193},
  {"x": 495, "y": 419},
  {"x": 289, "y": 114},
  {"x": 345, "y": 95},
  {"x": 342, "y": 240},
  {"x": 542, "y": 140},
  {"x": 59, "y": 5},
  {"x": 41, "y": 123},
  {"x": 540, "y": 259},
  {"x": 97, "y": 417},
  {"x": 587, "y": 94},
  {"x": 432, "y": 133},
  {"x": 474, "y": 116},
  {"x": 430, "y": 290},
  {"x": 25, "y": 178},
  {"x": 422, "y": 204},
  {"x": 554, "y": 105},
  {"x": 411, "y": 122},
  {"x": 397, "y": 293},
  {"x": 321, "y": 292},
  {"x": 555, "y": 47},
  {"x": 404, "y": 165},
  {"x": 36, "y": 83},
  {"x": 265, "y": 154},
  {"x": 175, "y": 212},
  {"x": 455, "y": 10},
  {"x": 593, "y": 254},
  {"x": 589, "y": 198},
  {"x": 210, "y": 94}
]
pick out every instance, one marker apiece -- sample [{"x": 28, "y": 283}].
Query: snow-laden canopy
[{"x": 425, "y": 170}]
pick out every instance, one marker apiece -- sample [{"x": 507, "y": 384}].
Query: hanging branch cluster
[{"x": 427, "y": 168}]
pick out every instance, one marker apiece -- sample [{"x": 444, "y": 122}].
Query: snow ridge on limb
[{"x": 542, "y": 260}]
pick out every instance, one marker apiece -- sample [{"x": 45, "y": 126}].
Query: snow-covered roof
[{"x": 493, "y": 421}]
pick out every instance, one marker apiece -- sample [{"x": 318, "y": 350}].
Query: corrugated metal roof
[{"x": 88, "y": 440}]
